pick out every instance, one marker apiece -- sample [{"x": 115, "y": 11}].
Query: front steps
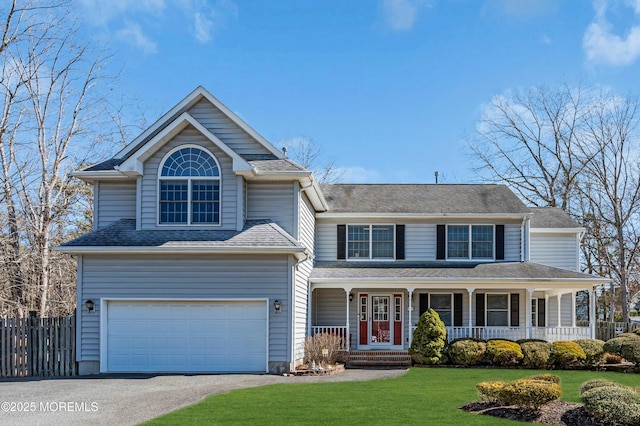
[{"x": 357, "y": 359}]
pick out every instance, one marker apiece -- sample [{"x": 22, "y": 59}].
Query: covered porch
[{"x": 381, "y": 311}]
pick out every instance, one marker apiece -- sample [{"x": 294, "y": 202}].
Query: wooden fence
[
  {"x": 606, "y": 330},
  {"x": 44, "y": 347}
]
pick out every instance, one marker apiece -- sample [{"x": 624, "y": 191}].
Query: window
[
  {"x": 370, "y": 242},
  {"x": 498, "y": 310},
  {"x": 470, "y": 242},
  {"x": 189, "y": 188},
  {"x": 443, "y": 305}
]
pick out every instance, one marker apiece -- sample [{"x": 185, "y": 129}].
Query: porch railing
[
  {"x": 550, "y": 334},
  {"x": 334, "y": 330}
]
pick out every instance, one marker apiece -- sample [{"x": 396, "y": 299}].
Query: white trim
[
  {"x": 189, "y": 180},
  {"x": 79, "y": 314},
  {"x": 96, "y": 202},
  {"x": 104, "y": 304},
  {"x": 139, "y": 203},
  {"x": 470, "y": 243},
  {"x": 462, "y": 216},
  {"x": 556, "y": 230},
  {"x": 240, "y": 200},
  {"x": 370, "y": 258}
]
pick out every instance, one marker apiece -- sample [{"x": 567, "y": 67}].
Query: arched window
[{"x": 190, "y": 188}]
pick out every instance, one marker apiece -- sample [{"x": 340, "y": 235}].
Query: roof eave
[
  {"x": 298, "y": 252},
  {"x": 92, "y": 176},
  {"x": 330, "y": 214},
  {"x": 539, "y": 230},
  {"x": 466, "y": 281}
]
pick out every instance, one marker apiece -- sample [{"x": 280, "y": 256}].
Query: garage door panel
[{"x": 176, "y": 336}]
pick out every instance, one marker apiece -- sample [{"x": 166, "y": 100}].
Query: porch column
[
  {"x": 559, "y": 298},
  {"x": 573, "y": 308},
  {"x": 309, "y": 313},
  {"x": 410, "y": 310},
  {"x": 527, "y": 309},
  {"x": 470, "y": 292},
  {"x": 592, "y": 313},
  {"x": 347, "y": 337}
]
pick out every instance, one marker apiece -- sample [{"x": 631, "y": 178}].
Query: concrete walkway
[{"x": 131, "y": 399}]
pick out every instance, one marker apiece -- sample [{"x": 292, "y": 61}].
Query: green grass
[{"x": 422, "y": 396}]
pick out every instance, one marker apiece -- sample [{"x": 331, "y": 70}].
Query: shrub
[
  {"x": 313, "y": 346},
  {"x": 613, "y": 404},
  {"x": 596, "y": 383},
  {"x": 631, "y": 351},
  {"x": 429, "y": 339},
  {"x": 531, "y": 394},
  {"x": 566, "y": 354},
  {"x": 521, "y": 341},
  {"x": 504, "y": 352},
  {"x": 545, "y": 378},
  {"x": 593, "y": 349},
  {"x": 490, "y": 391},
  {"x": 612, "y": 358},
  {"x": 466, "y": 351},
  {"x": 636, "y": 331},
  {"x": 535, "y": 354},
  {"x": 614, "y": 346},
  {"x": 629, "y": 335}
]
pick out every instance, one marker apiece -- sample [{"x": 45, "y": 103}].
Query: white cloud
[
  {"x": 358, "y": 174},
  {"x": 100, "y": 12},
  {"x": 602, "y": 45},
  {"x": 132, "y": 34},
  {"x": 401, "y": 15}
]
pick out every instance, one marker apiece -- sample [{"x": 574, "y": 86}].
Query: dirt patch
[{"x": 553, "y": 413}]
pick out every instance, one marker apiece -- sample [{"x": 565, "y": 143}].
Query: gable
[{"x": 236, "y": 138}]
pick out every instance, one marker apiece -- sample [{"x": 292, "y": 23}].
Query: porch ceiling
[{"x": 513, "y": 274}]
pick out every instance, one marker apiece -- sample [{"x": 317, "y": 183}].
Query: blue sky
[{"x": 389, "y": 88}]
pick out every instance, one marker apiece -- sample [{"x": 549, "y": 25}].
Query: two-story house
[{"x": 213, "y": 252}]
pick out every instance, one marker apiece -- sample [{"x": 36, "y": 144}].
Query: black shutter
[
  {"x": 342, "y": 242},
  {"x": 480, "y": 309},
  {"x": 499, "y": 242},
  {"x": 441, "y": 242},
  {"x": 457, "y": 310},
  {"x": 399, "y": 242},
  {"x": 424, "y": 303},
  {"x": 515, "y": 310},
  {"x": 541, "y": 312}
]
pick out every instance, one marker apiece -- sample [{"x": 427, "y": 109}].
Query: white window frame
[
  {"x": 189, "y": 179},
  {"x": 486, "y": 309},
  {"x": 371, "y": 258},
  {"x": 470, "y": 243},
  {"x": 451, "y": 300}
]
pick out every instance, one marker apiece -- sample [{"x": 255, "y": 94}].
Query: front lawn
[{"x": 422, "y": 396}]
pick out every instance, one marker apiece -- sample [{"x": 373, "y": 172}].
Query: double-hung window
[
  {"x": 470, "y": 242},
  {"x": 443, "y": 305},
  {"x": 370, "y": 242},
  {"x": 189, "y": 188},
  {"x": 498, "y": 310}
]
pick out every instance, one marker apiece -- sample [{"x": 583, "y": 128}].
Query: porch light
[
  {"x": 350, "y": 297},
  {"x": 89, "y": 304},
  {"x": 276, "y": 306}
]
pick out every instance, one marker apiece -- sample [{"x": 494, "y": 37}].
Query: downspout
[
  {"x": 527, "y": 238},
  {"x": 522, "y": 243}
]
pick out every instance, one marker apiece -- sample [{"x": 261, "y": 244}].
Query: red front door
[{"x": 364, "y": 319}]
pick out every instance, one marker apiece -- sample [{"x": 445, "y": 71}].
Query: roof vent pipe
[
  {"x": 437, "y": 174},
  {"x": 284, "y": 151}
]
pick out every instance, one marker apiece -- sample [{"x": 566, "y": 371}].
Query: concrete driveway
[{"x": 130, "y": 399}]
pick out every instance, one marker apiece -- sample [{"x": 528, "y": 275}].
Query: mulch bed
[{"x": 553, "y": 413}]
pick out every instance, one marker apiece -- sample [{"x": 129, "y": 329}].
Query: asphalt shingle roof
[
  {"x": 551, "y": 217},
  {"x": 422, "y": 198},
  {"x": 105, "y": 165},
  {"x": 284, "y": 165},
  {"x": 442, "y": 270},
  {"x": 256, "y": 233}
]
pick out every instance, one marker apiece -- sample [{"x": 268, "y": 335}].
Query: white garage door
[{"x": 181, "y": 336}]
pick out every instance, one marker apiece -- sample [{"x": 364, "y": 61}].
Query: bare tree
[
  {"x": 612, "y": 186},
  {"x": 576, "y": 149},
  {"x": 47, "y": 87},
  {"x": 304, "y": 151}
]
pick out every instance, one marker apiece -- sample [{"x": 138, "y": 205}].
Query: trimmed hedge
[
  {"x": 490, "y": 391},
  {"x": 504, "y": 352},
  {"x": 593, "y": 349},
  {"x": 613, "y": 346},
  {"x": 535, "y": 354},
  {"x": 545, "y": 378},
  {"x": 566, "y": 355},
  {"x": 531, "y": 394},
  {"x": 631, "y": 351},
  {"x": 429, "y": 339},
  {"x": 613, "y": 404},
  {"x": 466, "y": 351},
  {"x": 596, "y": 383}
]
